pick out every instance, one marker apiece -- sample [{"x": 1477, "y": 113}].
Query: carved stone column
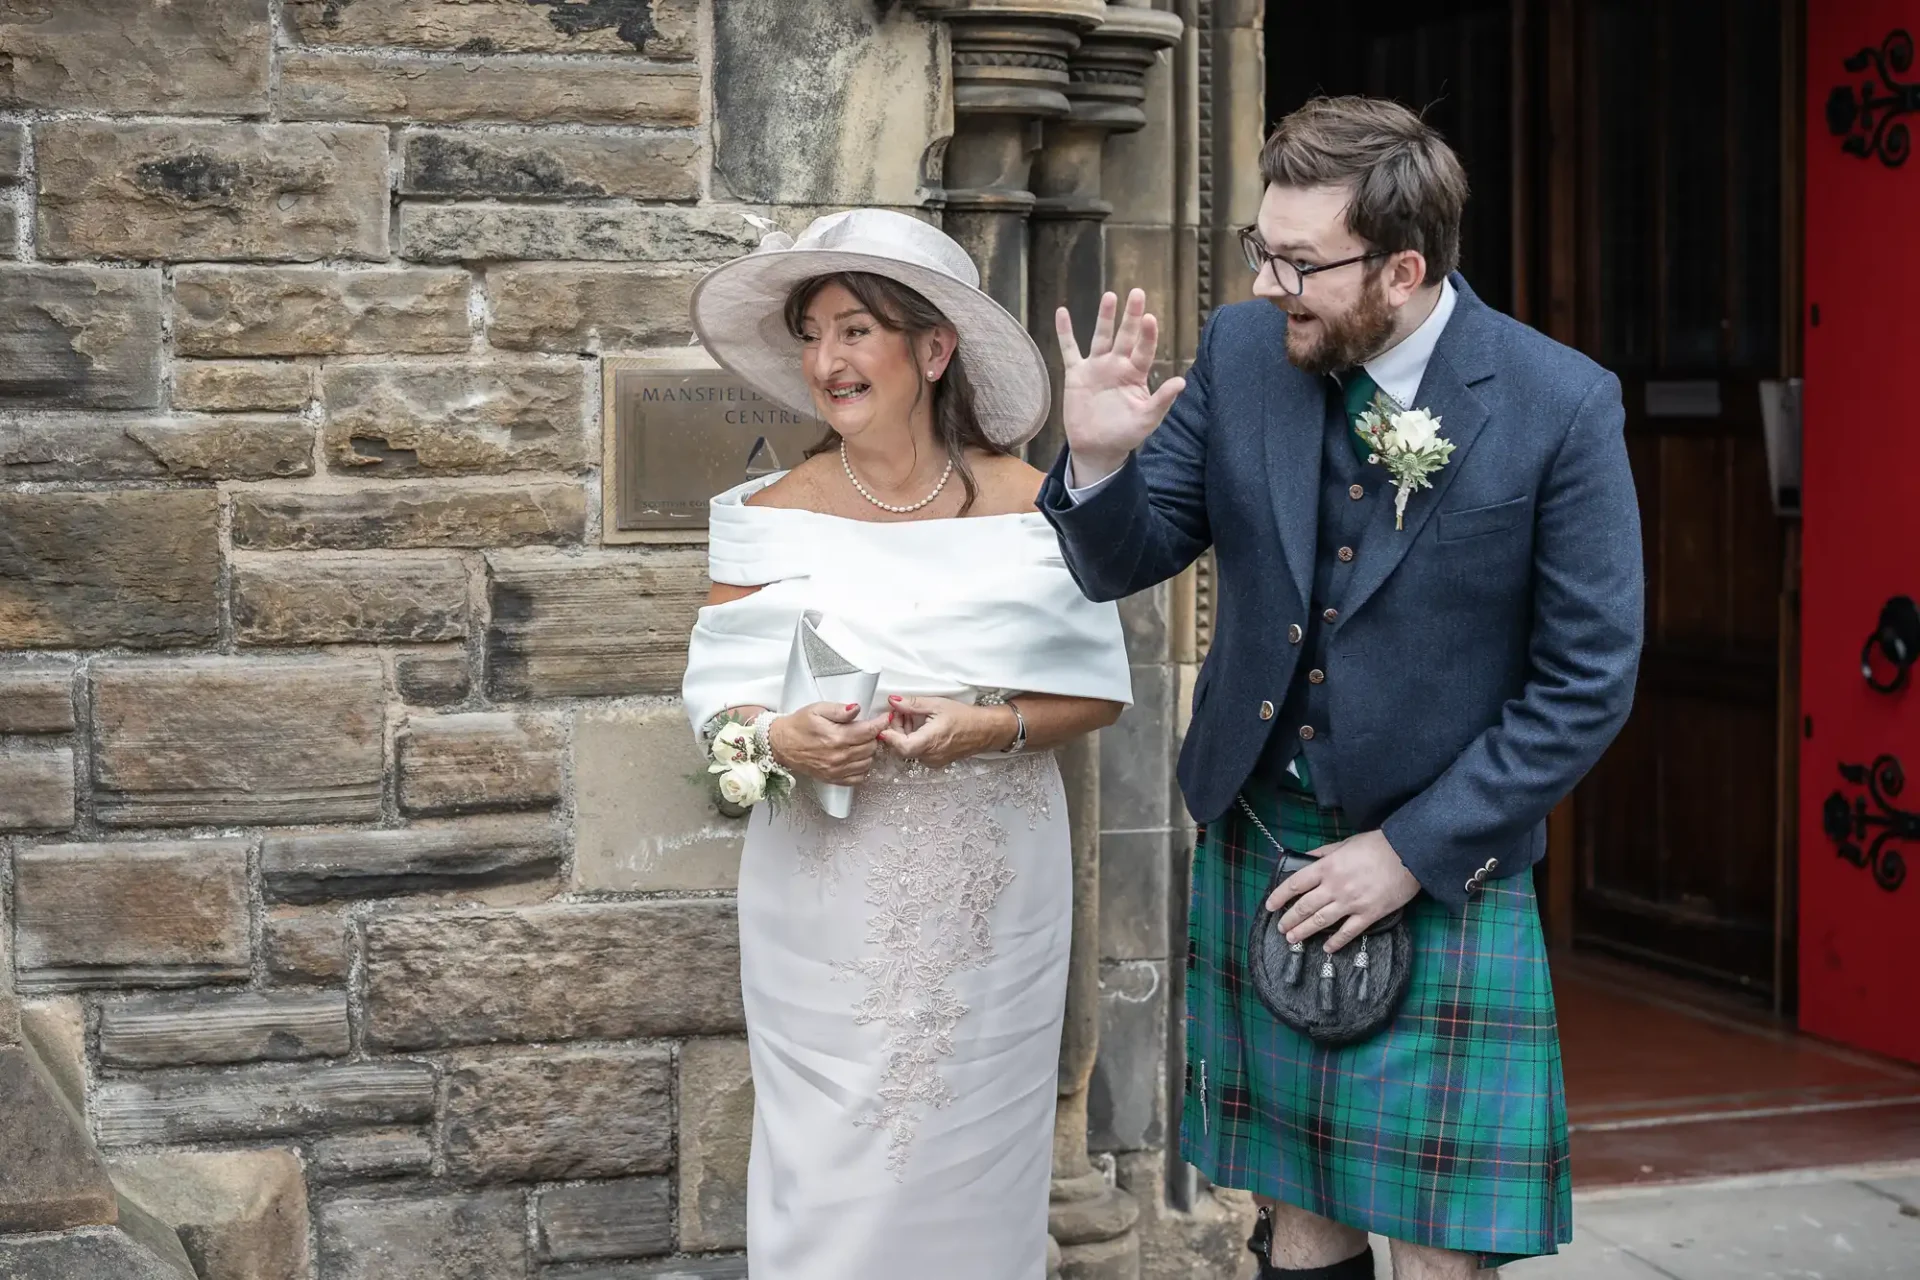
[
  {"x": 1010, "y": 60},
  {"x": 1091, "y": 1218}
]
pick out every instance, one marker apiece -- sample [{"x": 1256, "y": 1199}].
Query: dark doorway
[
  {"x": 1634, "y": 178},
  {"x": 1450, "y": 60}
]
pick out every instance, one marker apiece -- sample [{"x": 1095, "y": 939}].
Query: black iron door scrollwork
[
  {"x": 1847, "y": 823},
  {"x": 1867, "y": 115}
]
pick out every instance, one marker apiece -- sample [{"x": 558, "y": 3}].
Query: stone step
[{"x": 240, "y": 1215}]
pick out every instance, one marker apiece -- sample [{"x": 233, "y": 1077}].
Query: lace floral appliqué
[{"x": 935, "y": 869}]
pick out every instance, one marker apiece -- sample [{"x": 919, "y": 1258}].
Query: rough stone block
[
  {"x": 433, "y": 679},
  {"x": 155, "y": 913},
  {"x": 1136, "y": 757},
  {"x": 1126, "y": 1108},
  {"x": 217, "y": 1027},
  {"x": 36, "y": 788},
  {"x": 374, "y": 864},
  {"x": 315, "y": 311},
  {"x": 632, "y": 1218},
  {"x": 1135, "y": 869},
  {"x": 228, "y": 447},
  {"x": 342, "y": 598},
  {"x": 716, "y": 1130},
  {"x": 9, "y": 232},
  {"x": 239, "y": 386},
  {"x": 180, "y": 58},
  {"x": 13, "y": 152},
  {"x": 643, "y": 821},
  {"x": 55, "y": 1178},
  {"x": 388, "y": 1153},
  {"x": 224, "y": 740},
  {"x": 598, "y": 308},
  {"x": 242, "y": 1215},
  {"x": 400, "y": 419},
  {"x": 87, "y": 570},
  {"x": 211, "y": 192},
  {"x": 105, "y": 1253},
  {"x": 538, "y": 165},
  {"x": 261, "y": 1102},
  {"x": 461, "y": 1237},
  {"x": 559, "y": 971},
  {"x": 661, "y": 29},
  {"x": 708, "y": 1268},
  {"x": 411, "y": 515},
  {"x": 57, "y": 1030},
  {"x": 305, "y": 946},
  {"x": 346, "y": 86},
  {"x": 535, "y": 233},
  {"x": 36, "y": 697},
  {"x": 870, "y": 131},
  {"x": 482, "y": 760},
  {"x": 555, "y": 1114},
  {"x": 82, "y": 337},
  {"x": 605, "y": 623}
]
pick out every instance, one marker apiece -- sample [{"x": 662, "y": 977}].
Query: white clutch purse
[{"x": 824, "y": 666}]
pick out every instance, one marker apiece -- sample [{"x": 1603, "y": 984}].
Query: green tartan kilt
[{"x": 1447, "y": 1129}]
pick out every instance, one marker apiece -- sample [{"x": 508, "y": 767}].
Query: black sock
[{"x": 1358, "y": 1267}]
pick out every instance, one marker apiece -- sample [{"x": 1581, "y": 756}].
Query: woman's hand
[
  {"x": 939, "y": 731},
  {"x": 824, "y": 741}
]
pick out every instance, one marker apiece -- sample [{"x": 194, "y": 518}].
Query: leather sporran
[{"x": 1331, "y": 999}]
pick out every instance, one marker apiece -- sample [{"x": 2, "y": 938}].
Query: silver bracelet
[{"x": 1019, "y": 731}]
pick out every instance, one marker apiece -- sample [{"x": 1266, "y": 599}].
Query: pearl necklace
[{"x": 847, "y": 466}]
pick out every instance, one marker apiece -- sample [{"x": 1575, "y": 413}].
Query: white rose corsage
[
  {"x": 744, "y": 772},
  {"x": 1409, "y": 442}
]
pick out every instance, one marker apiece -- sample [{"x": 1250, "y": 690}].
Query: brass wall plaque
[{"x": 679, "y": 429}]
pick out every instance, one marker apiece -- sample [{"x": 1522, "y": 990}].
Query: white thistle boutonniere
[{"x": 1409, "y": 442}]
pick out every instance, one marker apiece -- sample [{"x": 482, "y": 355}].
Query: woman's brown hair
[{"x": 899, "y": 309}]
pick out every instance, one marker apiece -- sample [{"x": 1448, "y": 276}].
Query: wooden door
[
  {"x": 1667, "y": 266},
  {"x": 1859, "y": 909}
]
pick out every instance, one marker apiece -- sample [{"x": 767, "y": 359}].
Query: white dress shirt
[{"x": 1397, "y": 371}]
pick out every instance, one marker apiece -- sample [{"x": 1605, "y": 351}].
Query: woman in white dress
[{"x": 904, "y": 968}]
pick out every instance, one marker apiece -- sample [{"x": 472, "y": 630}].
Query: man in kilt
[{"x": 1425, "y": 635}]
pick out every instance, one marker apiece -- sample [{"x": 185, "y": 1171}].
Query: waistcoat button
[
  {"x": 1357, "y": 492},
  {"x": 1306, "y": 733},
  {"x": 1266, "y": 711},
  {"x": 1317, "y": 676},
  {"x": 1331, "y": 615},
  {"x": 1295, "y": 634},
  {"x": 1346, "y": 555}
]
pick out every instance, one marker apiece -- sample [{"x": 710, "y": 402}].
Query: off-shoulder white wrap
[{"x": 948, "y": 608}]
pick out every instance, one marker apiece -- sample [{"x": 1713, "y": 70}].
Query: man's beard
[{"x": 1347, "y": 340}]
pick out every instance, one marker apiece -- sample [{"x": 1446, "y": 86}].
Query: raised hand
[{"x": 1106, "y": 404}]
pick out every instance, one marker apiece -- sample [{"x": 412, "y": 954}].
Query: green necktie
[{"x": 1358, "y": 390}]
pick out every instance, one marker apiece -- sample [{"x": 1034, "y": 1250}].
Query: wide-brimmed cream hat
[{"x": 738, "y": 311}]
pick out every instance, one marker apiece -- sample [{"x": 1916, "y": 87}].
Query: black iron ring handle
[{"x": 1901, "y": 673}]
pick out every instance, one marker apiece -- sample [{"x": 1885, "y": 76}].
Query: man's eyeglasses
[{"x": 1291, "y": 276}]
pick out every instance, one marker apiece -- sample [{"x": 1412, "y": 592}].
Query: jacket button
[
  {"x": 1306, "y": 733},
  {"x": 1356, "y": 492},
  {"x": 1316, "y": 676},
  {"x": 1491, "y": 864},
  {"x": 1472, "y": 885},
  {"x": 1346, "y": 555},
  {"x": 1295, "y": 634},
  {"x": 1331, "y": 615},
  {"x": 1266, "y": 711}
]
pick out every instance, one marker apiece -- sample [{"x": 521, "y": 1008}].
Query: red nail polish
[
  {"x": 853, "y": 706},
  {"x": 894, "y": 698}
]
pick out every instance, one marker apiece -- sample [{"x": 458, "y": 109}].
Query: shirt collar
[{"x": 1399, "y": 369}]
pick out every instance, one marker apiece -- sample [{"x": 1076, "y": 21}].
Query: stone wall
[{"x": 350, "y": 868}]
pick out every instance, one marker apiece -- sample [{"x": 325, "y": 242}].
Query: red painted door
[{"x": 1859, "y": 926}]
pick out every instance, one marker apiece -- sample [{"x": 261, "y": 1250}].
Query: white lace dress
[{"x": 904, "y": 970}]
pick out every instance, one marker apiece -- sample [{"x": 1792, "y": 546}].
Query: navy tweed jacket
[{"x": 1486, "y": 654}]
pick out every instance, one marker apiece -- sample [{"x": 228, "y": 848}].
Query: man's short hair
[{"x": 1409, "y": 188}]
